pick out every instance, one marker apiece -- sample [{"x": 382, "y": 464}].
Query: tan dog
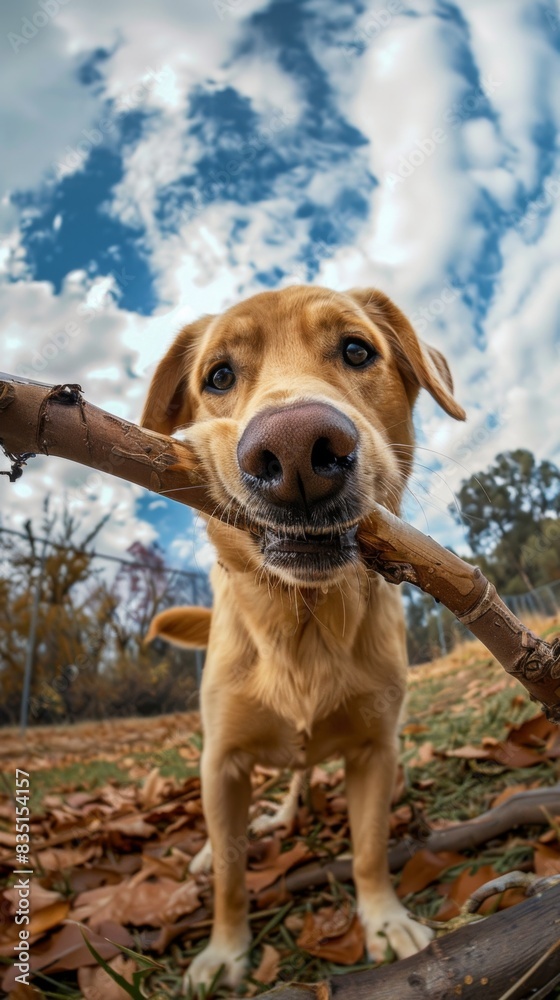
[{"x": 299, "y": 403}]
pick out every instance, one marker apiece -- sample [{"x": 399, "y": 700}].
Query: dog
[{"x": 299, "y": 403}]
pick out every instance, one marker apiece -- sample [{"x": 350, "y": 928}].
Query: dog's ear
[
  {"x": 188, "y": 627},
  {"x": 420, "y": 365},
  {"x": 167, "y": 405}
]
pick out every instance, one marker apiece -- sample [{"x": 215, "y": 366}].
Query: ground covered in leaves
[{"x": 116, "y": 818}]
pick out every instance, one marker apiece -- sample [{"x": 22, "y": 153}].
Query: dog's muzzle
[
  {"x": 298, "y": 463},
  {"x": 298, "y": 456},
  {"x": 309, "y": 559}
]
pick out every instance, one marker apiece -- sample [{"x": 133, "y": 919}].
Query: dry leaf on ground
[
  {"x": 335, "y": 935},
  {"x": 96, "y": 984}
]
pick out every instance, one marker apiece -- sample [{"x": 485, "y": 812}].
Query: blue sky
[{"x": 164, "y": 161}]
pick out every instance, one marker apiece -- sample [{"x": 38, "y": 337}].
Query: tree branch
[
  {"x": 56, "y": 420},
  {"x": 480, "y": 960}
]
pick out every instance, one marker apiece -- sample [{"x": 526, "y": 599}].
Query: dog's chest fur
[{"x": 302, "y": 655}]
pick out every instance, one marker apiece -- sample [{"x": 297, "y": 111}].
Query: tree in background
[
  {"x": 510, "y": 514},
  {"x": 89, "y": 659},
  {"x": 65, "y": 623}
]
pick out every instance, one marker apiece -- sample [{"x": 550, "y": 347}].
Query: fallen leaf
[
  {"x": 267, "y": 971},
  {"x": 319, "y": 776},
  {"x": 533, "y": 733},
  {"x": 58, "y": 859},
  {"x": 423, "y": 784},
  {"x": 132, "y": 826},
  {"x": 65, "y": 949},
  {"x": 22, "y": 991},
  {"x": 465, "y": 884},
  {"x": 152, "y": 789},
  {"x": 317, "y": 799},
  {"x": 339, "y": 804},
  {"x": 142, "y": 903},
  {"x": 264, "y": 852},
  {"x": 39, "y": 897},
  {"x": 546, "y": 860},
  {"x": 184, "y": 900},
  {"x": 294, "y": 923},
  {"x": 468, "y": 752},
  {"x": 399, "y": 820},
  {"x": 96, "y": 984},
  {"x": 49, "y": 917},
  {"x": 333, "y": 935},
  {"x": 424, "y": 756},
  {"x": 512, "y": 755},
  {"x": 425, "y": 867},
  {"x": 257, "y": 880},
  {"x": 507, "y": 793},
  {"x": 507, "y": 754}
]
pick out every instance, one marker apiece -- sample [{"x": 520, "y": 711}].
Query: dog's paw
[
  {"x": 386, "y": 921},
  {"x": 266, "y": 823},
  {"x": 232, "y": 959},
  {"x": 201, "y": 864}
]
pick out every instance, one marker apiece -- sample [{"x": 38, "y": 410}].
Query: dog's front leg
[
  {"x": 370, "y": 776},
  {"x": 226, "y": 793}
]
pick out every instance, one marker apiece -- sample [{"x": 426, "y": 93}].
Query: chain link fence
[{"x": 72, "y": 634}]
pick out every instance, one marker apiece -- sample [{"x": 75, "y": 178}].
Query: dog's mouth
[{"x": 309, "y": 557}]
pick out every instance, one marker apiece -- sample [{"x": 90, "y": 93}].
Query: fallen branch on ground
[
  {"x": 533, "y": 807},
  {"x": 56, "y": 420},
  {"x": 470, "y": 963}
]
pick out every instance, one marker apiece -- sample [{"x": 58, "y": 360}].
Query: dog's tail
[{"x": 188, "y": 627}]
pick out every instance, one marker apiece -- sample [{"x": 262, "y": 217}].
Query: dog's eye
[
  {"x": 356, "y": 352},
  {"x": 221, "y": 378}
]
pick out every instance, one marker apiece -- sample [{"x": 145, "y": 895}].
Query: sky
[{"x": 160, "y": 161}]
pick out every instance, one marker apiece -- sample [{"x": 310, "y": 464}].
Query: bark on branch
[
  {"x": 482, "y": 960},
  {"x": 56, "y": 420}
]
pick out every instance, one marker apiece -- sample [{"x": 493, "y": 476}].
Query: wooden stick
[
  {"x": 56, "y": 420},
  {"x": 401, "y": 553},
  {"x": 530, "y": 808},
  {"x": 478, "y": 961}
]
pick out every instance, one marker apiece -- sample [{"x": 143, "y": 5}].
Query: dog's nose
[{"x": 299, "y": 454}]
